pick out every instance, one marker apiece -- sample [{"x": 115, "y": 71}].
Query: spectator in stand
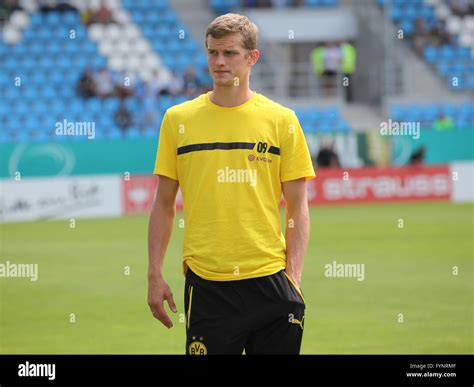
[
  {"x": 317, "y": 60},
  {"x": 87, "y": 16},
  {"x": 437, "y": 36},
  {"x": 147, "y": 94},
  {"x": 348, "y": 67},
  {"x": 65, "y": 5},
  {"x": 123, "y": 85},
  {"x": 279, "y": 3},
  {"x": 327, "y": 157},
  {"x": 104, "y": 83},
  {"x": 148, "y": 115},
  {"x": 55, "y": 5},
  {"x": 264, "y": 3},
  {"x": 440, "y": 35},
  {"x": 86, "y": 86},
  {"x": 123, "y": 117},
  {"x": 421, "y": 35},
  {"x": 296, "y": 3},
  {"x": 7, "y": 7},
  {"x": 192, "y": 85},
  {"x": 46, "y": 5},
  {"x": 103, "y": 14},
  {"x": 176, "y": 84},
  {"x": 332, "y": 58},
  {"x": 417, "y": 157},
  {"x": 461, "y": 7},
  {"x": 443, "y": 123},
  {"x": 159, "y": 83}
]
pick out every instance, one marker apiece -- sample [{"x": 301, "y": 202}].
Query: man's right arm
[{"x": 160, "y": 227}]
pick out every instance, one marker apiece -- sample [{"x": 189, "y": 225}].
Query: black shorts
[{"x": 262, "y": 315}]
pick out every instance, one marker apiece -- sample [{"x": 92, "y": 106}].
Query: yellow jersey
[{"x": 230, "y": 163}]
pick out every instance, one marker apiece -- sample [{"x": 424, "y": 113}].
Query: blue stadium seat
[
  {"x": 470, "y": 81},
  {"x": 223, "y": 6},
  {"x": 13, "y": 124},
  {"x": 113, "y": 134},
  {"x": 463, "y": 53},
  {"x": 110, "y": 105},
  {"x": 36, "y": 18},
  {"x": 71, "y": 17},
  {"x": 21, "y": 137},
  {"x": 395, "y": 14},
  {"x": 4, "y": 137},
  {"x": 430, "y": 53},
  {"x": 430, "y": 112},
  {"x": 446, "y": 52},
  {"x": 444, "y": 68},
  {"x": 133, "y": 133},
  {"x": 324, "y": 127},
  {"x": 330, "y": 3},
  {"x": 314, "y": 115},
  {"x": 330, "y": 112},
  {"x": 343, "y": 127},
  {"x": 408, "y": 27}
]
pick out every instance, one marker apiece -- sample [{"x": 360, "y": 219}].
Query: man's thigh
[
  {"x": 213, "y": 318},
  {"x": 278, "y": 328}
]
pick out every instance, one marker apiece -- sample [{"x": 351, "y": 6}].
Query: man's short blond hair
[{"x": 233, "y": 23}]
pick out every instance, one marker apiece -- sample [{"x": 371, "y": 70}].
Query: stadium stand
[
  {"x": 52, "y": 50},
  {"x": 445, "y": 39},
  {"x": 430, "y": 115},
  {"x": 224, "y": 6}
]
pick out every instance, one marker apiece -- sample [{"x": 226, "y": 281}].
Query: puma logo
[{"x": 293, "y": 320}]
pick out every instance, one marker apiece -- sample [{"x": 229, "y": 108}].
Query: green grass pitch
[{"x": 409, "y": 271}]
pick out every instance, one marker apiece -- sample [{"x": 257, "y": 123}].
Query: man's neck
[{"x": 230, "y": 96}]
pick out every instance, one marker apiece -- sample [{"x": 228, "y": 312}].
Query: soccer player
[{"x": 232, "y": 152}]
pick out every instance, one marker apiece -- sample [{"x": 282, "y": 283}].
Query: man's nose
[{"x": 220, "y": 60}]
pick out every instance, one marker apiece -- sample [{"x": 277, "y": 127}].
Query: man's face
[{"x": 229, "y": 62}]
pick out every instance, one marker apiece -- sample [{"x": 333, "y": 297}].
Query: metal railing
[{"x": 287, "y": 80}]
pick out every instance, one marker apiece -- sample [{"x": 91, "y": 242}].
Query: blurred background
[{"x": 384, "y": 92}]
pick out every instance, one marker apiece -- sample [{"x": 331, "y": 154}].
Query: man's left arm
[{"x": 297, "y": 227}]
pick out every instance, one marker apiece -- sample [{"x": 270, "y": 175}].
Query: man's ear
[{"x": 253, "y": 57}]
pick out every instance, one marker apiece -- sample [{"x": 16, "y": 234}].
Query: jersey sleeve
[
  {"x": 166, "y": 157},
  {"x": 295, "y": 159}
]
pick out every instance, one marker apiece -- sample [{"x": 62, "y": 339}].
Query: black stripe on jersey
[
  {"x": 215, "y": 145},
  {"x": 223, "y": 146},
  {"x": 274, "y": 150}
]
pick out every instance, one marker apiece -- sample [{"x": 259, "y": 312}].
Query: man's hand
[
  {"x": 158, "y": 292},
  {"x": 160, "y": 227}
]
